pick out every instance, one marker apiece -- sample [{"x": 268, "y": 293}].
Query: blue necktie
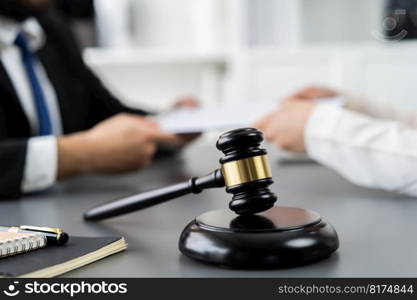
[{"x": 45, "y": 125}]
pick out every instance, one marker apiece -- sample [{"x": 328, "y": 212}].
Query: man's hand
[
  {"x": 122, "y": 143},
  {"x": 285, "y": 126},
  {"x": 189, "y": 102}
]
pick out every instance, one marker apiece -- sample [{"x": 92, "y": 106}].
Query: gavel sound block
[{"x": 253, "y": 233}]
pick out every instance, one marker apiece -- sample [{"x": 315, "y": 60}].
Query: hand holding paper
[{"x": 218, "y": 117}]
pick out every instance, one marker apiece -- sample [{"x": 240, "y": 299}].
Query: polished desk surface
[{"x": 377, "y": 230}]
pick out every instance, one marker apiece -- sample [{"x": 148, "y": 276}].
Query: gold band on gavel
[{"x": 246, "y": 170}]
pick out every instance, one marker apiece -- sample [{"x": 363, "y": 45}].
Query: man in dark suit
[{"x": 56, "y": 118}]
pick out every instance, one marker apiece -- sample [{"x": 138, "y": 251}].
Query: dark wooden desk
[{"x": 376, "y": 229}]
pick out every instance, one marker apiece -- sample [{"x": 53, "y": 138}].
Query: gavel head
[{"x": 246, "y": 171}]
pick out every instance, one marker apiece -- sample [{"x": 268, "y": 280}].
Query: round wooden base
[{"x": 280, "y": 237}]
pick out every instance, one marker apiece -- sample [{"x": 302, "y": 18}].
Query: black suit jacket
[{"x": 83, "y": 100}]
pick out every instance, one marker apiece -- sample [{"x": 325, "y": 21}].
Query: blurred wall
[{"x": 251, "y": 50}]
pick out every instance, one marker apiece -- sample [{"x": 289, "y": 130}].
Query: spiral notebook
[
  {"x": 54, "y": 260},
  {"x": 12, "y": 243}
]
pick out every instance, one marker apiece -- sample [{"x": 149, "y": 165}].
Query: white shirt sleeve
[
  {"x": 41, "y": 164},
  {"x": 380, "y": 110},
  {"x": 367, "y": 151}
]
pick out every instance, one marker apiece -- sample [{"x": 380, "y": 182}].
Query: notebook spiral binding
[{"x": 22, "y": 244}]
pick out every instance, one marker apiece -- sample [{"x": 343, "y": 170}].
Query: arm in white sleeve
[
  {"x": 380, "y": 110},
  {"x": 367, "y": 151},
  {"x": 41, "y": 164}
]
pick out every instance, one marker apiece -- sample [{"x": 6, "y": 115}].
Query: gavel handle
[{"x": 143, "y": 200}]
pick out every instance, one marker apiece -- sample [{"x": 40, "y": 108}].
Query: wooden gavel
[{"x": 244, "y": 170}]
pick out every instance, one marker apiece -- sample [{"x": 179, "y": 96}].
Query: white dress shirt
[
  {"x": 41, "y": 156},
  {"x": 369, "y": 144}
]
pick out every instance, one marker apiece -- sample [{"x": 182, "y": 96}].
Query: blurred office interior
[{"x": 150, "y": 51}]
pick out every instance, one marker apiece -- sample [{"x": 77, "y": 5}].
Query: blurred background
[{"x": 151, "y": 51}]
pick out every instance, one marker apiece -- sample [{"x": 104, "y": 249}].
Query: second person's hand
[
  {"x": 313, "y": 93},
  {"x": 285, "y": 126}
]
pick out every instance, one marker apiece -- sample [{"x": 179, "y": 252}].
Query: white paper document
[
  {"x": 217, "y": 117},
  {"x": 208, "y": 118}
]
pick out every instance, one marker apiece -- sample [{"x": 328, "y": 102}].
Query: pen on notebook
[{"x": 53, "y": 235}]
